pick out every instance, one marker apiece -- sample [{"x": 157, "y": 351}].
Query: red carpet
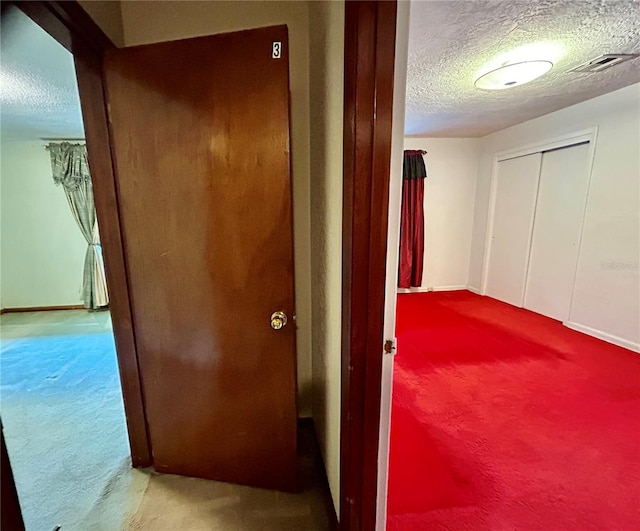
[{"x": 503, "y": 419}]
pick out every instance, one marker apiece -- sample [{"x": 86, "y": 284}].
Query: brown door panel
[{"x": 201, "y": 146}]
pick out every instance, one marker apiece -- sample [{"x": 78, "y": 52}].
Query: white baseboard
[
  {"x": 423, "y": 289},
  {"x": 473, "y": 289},
  {"x": 609, "y": 338}
]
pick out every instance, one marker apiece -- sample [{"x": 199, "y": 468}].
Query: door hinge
[{"x": 390, "y": 346}]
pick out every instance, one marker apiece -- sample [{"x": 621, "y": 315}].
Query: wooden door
[
  {"x": 515, "y": 194},
  {"x": 200, "y": 132},
  {"x": 558, "y": 222}
]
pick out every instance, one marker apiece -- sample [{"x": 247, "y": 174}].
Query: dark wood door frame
[
  {"x": 74, "y": 29},
  {"x": 10, "y": 515},
  {"x": 370, "y": 34}
]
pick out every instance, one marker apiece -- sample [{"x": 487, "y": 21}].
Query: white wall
[
  {"x": 148, "y": 21},
  {"x": 326, "y": 49},
  {"x": 607, "y": 290},
  {"x": 42, "y": 249},
  {"x": 449, "y": 197}
]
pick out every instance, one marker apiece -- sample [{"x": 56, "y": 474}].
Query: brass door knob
[{"x": 278, "y": 320}]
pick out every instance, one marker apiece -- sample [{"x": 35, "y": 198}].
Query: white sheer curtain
[{"x": 71, "y": 170}]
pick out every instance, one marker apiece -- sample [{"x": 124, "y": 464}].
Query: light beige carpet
[{"x": 175, "y": 502}]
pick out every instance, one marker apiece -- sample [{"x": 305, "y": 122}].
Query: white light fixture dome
[{"x": 513, "y": 75}]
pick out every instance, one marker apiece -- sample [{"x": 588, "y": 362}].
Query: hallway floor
[
  {"x": 65, "y": 430},
  {"x": 505, "y": 419}
]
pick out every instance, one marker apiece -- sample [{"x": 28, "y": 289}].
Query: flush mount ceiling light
[{"x": 513, "y": 74}]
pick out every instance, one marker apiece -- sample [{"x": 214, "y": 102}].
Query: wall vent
[{"x": 604, "y": 62}]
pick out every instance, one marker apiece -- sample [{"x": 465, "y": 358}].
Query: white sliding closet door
[
  {"x": 558, "y": 220},
  {"x": 516, "y": 188}
]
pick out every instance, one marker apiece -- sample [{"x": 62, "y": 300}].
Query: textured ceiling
[
  {"x": 38, "y": 91},
  {"x": 452, "y": 42}
]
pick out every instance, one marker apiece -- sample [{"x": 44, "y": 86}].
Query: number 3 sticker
[{"x": 276, "y": 50}]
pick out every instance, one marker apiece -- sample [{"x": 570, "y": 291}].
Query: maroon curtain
[{"x": 412, "y": 220}]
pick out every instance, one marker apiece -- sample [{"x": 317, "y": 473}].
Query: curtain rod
[{"x": 63, "y": 139}]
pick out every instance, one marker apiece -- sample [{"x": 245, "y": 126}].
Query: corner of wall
[
  {"x": 472, "y": 283},
  {"x": 108, "y": 16},
  {"x": 326, "y": 52}
]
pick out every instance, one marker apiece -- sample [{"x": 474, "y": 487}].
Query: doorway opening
[
  {"x": 62, "y": 407},
  {"x": 518, "y": 322}
]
